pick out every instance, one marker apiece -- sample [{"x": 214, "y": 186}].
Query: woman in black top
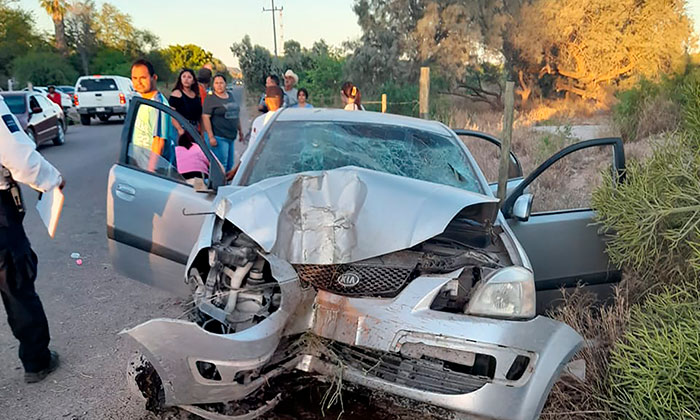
[{"x": 185, "y": 98}]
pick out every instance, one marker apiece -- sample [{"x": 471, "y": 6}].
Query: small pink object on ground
[{"x": 79, "y": 261}]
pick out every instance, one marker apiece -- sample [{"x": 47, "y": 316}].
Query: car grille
[
  {"x": 430, "y": 375},
  {"x": 372, "y": 280}
]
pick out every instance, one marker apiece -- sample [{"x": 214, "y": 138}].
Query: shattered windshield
[{"x": 299, "y": 146}]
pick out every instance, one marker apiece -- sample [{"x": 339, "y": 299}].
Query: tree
[
  {"x": 462, "y": 40},
  {"x": 160, "y": 64},
  {"x": 386, "y": 50},
  {"x": 17, "y": 35},
  {"x": 43, "y": 68},
  {"x": 589, "y": 46},
  {"x": 190, "y": 56},
  {"x": 255, "y": 62},
  {"x": 81, "y": 33},
  {"x": 114, "y": 28},
  {"x": 112, "y": 61},
  {"x": 57, "y": 10}
]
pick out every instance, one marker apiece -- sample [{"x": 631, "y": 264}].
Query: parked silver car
[{"x": 358, "y": 245}]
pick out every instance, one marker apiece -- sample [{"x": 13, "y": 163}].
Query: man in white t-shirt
[{"x": 273, "y": 100}]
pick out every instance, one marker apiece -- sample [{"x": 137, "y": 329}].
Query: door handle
[{"x": 125, "y": 192}]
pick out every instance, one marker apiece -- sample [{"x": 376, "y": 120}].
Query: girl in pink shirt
[{"x": 191, "y": 161}]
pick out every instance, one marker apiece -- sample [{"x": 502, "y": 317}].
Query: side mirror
[
  {"x": 522, "y": 207},
  {"x": 37, "y": 110}
]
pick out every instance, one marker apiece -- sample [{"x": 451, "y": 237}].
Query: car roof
[
  {"x": 341, "y": 115},
  {"x": 103, "y": 76}
]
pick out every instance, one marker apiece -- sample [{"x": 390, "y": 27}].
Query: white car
[
  {"x": 66, "y": 99},
  {"x": 102, "y": 97}
]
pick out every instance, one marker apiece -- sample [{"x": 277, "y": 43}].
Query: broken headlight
[{"x": 505, "y": 293}]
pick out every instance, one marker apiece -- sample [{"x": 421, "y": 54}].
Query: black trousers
[{"x": 18, "y": 270}]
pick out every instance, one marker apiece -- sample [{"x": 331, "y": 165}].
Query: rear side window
[
  {"x": 16, "y": 104},
  {"x": 95, "y": 85}
]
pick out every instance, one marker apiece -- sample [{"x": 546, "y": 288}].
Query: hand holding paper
[{"x": 49, "y": 206}]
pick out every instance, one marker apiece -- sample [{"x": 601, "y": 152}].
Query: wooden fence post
[
  {"x": 383, "y": 103},
  {"x": 423, "y": 105},
  {"x": 507, "y": 136}
]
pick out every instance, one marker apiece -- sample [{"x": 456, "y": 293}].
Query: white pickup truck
[{"x": 102, "y": 97}]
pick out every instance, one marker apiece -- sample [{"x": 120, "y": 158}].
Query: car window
[
  {"x": 569, "y": 183},
  {"x": 94, "y": 85},
  {"x": 152, "y": 143},
  {"x": 33, "y": 103},
  {"x": 16, "y": 103},
  {"x": 298, "y": 146}
]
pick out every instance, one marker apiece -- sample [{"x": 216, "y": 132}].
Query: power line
[{"x": 274, "y": 26}]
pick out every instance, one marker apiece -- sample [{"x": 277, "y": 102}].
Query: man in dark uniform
[{"x": 20, "y": 162}]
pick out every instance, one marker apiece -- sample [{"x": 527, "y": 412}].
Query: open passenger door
[
  {"x": 565, "y": 246},
  {"x": 154, "y": 214}
]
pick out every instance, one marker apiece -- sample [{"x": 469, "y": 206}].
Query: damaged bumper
[
  {"x": 404, "y": 348},
  {"x": 487, "y": 368}
]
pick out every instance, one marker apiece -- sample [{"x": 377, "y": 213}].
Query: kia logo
[{"x": 348, "y": 279}]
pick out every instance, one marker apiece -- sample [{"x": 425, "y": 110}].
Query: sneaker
[{"x": 34, "y": 377}]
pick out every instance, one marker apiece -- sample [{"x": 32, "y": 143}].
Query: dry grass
[
  {"x": 601, "y": 328},
  {"x": 568, "y": 183},
  {"x": 658, "y": 115}
]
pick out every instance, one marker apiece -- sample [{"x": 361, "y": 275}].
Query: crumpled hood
[{"x": 347, "y": 214}]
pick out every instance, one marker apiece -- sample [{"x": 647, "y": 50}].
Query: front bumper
[
  {"x": 108, "y": 110},
  {"x": 389, "y": 325},
  {"x": 375, "y": 326}
]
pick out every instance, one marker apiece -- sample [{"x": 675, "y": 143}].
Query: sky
[
  {"x": 216, "y": 24},
  {"x": 223, "y": 22}
]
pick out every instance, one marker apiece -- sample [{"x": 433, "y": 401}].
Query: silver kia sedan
[{"x": 351, "y": 246}]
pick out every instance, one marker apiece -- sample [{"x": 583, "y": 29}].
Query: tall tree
[
  {"x": 590, "y": 45},
  {"x": 114, "y": 28},
  {"x": 255, "y": 61},
  {"x": 81, "y": 32},
  {"x": 57, "y": 10}
]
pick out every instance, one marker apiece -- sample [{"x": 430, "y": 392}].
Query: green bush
[
  {"x": 657, "y": 107},
  {"x": 655, "y": 213},
  {"x": 43, "y": 68},
  {"x": 689, "y": 95},
  {"x": 655, "y": 368}
]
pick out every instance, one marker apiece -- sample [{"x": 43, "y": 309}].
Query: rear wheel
[
  {"x": 103, "y": 117},
  {"x": 61, "y": 135},
  {"x": 84, "y": 119}
]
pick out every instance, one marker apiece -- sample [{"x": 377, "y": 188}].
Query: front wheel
[
  {"x": 84, "y": 119},
  {"x": 61, "y": 135}
]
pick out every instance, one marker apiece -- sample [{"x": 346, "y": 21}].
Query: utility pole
[{"x": 274, "y": 25}]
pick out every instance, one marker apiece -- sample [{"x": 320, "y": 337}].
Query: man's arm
[{"x": 18, "y": 154}]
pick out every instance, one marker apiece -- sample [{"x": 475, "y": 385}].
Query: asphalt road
[{"x": 87, "y": 305}]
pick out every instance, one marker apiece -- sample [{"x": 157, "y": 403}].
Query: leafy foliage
[
  {"x": 655, "y": 369},
  {"x": 43, "y": 68},
  {"x": 190, "y": 55},
  {"x": 655, "y": 213},
  {"x": 17, "y": 35},
  {"x": 112, "y": 61},
  {"x": 655, "y": 107},
  {"x": 255, "y": 62},
  {"x": 57, "y": 10},
  {"x": 592, "y": 45}
]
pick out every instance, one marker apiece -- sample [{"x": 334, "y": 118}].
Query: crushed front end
[{"x": 443, "y": 314}]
